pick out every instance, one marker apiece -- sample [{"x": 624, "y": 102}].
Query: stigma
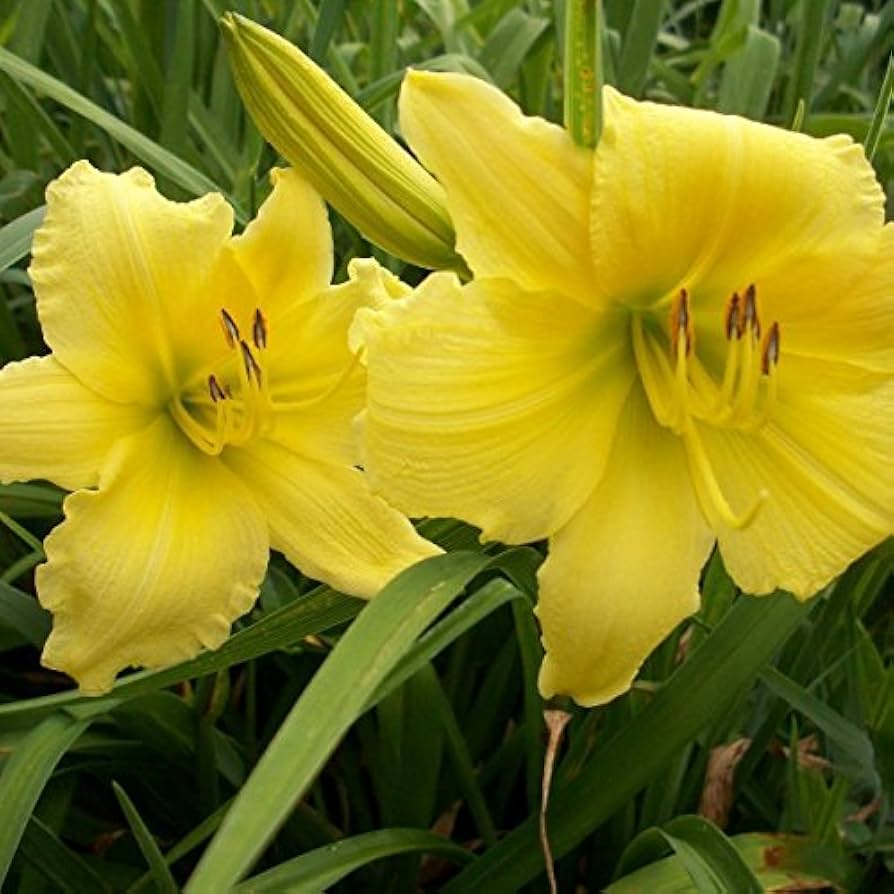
[{"x": 230, "y": 404}]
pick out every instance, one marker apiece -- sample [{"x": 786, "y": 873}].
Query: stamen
[
  {"x": 770, "y": 354},
  {"x": 217, "y": 393},
  {"x": 231, "y": 330},
  {"x": 259, "y": 330},
  {"x": 681, "y": 322},
  {"x": 750, "y": 319},
  {"x": 252, "y": 368},
  {"x": 733, "y": 312}
]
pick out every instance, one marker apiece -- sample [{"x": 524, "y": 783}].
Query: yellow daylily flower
[
  {"x": 682, "y": 337},
  {"x": 199, "y": 400}
]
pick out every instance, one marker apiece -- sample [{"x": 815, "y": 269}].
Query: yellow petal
[
  {"x": 154, "y": 565},
  {"x": 714, "y": 202},
  {"x": 624, "y": 571},
  {"x": 326, "y": 522},
  {"x": 56, "y": 428},
  {"x": 491, "y": 404},
  {"x": 116, "y": 268},
  {"x": 839, "y": 306},
  {"x": 286, "y": 251},
  {"x": 319, "y": 386},
  {"x": 825, "y": 461},
  {"x": 517, "y": 187}
]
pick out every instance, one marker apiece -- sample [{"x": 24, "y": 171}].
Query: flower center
[
  {"x": 230, "y": 404},
  {"x": 681, "y": 390}
]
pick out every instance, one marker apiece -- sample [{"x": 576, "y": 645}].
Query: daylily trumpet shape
[
  {"x": 686, "y": 335},
  {"x": 199, "y": 400}
]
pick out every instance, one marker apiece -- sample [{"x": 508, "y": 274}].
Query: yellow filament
[
  {"x": 196, "y": 433},
  {"x": 654, "y": 380},
  {"x": 710, "y": 497}
]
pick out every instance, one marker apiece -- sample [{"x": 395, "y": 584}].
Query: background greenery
[{"x": 413, "y": 744}]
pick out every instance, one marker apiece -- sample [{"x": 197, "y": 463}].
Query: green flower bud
[{"x": 351, "y": 161}]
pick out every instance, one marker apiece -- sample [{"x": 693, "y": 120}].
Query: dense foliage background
[{"x": 765, "y": 716}]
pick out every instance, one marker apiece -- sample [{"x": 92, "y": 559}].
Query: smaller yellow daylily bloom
[
  {"x": 199, "y": 401},
  {"x": 683, "y": 336}
]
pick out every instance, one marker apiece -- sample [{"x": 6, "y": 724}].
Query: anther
[
  {"x": 259, "y": 330},
  {"x": 750, "y": 319},
  {"x": 252, "y": 369},
  {"x": 770, "y": 354},
  {"x": 681, "y": 322},
  {"x": 231, "y": 330},
  {"x": 217, "y": 393},
  {"x": 733, "y": 315}
]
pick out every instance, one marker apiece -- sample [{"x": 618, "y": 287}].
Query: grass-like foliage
[{"x": 400, "y": 748}]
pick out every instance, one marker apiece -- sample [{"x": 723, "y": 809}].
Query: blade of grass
[
  {"x": 16, "y": 236},
  {"x": 164, "y": 881},
  {"x": 26, "y": 773},
  {"x": 639, "y": 45},
  {"x": 812, "y": 22},
  {"x": 335, "y": 697},
  {"x": 880, "y": 115},
  {"x": 315, "y": 871},
  {"x": 853, "y": 742},
  {"x": 23, "y": 613},
  {"x": 61, "y": 866}
]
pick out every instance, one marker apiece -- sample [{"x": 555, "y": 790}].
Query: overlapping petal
[
  {"x": 286, "y": 251},
  {"x": 624, "y": 571},
  {"x": 152, "y": 566},
  {"x": 517, "y": 187},
  {"x": 323, "y": 517},
  {"x": 116, "y": 268},
  {"x": 56, "y": 428},
  {"x": 319, "y": 384},
  {"x": 491, "y": 404},
  {"x": 837, "y": 308},
  {"x": 825, "y": 461},
  {"x": 716, "y": 202}
]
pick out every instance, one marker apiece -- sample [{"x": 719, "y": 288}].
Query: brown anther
[
  {"x": 231, "y": 330},
  {"x": 252, "y": 369},
  {"x": 681, "y": 322},
  {"x": 217, "y": 393},
  {"x": 733, "y": 315},
  {"x": 259, "y": 330},
  {"x": 770, "y": 354},
  {"x": 750, "y": 319}
]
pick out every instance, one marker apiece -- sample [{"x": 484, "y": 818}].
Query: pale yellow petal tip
[
  {"x": 75, "y": 653},
  {"x": 586, "y": 688}
]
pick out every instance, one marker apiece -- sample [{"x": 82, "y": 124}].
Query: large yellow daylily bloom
[
  {"x": 684, "y": 336},
  {"x": 198, "y": 400}
]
